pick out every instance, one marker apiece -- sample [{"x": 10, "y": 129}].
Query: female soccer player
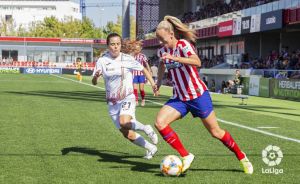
[
  {"x": 116, "y": 69},
  {"x": 139, "y": 77},
  {"x": 190, "y": 94}
]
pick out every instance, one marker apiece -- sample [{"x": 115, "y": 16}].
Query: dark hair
[
  {"x": 78, "y": 58},
  {"x": 112, "y": 35}
]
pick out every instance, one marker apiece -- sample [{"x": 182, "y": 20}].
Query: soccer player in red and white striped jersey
[
  {"x": 190, "y": 94},
  {"x": 138, "y": 76}
]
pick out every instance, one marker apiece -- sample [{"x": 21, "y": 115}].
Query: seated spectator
[
  {"x": 213, "y": 86},
  {"x": 224, "y": 87}
]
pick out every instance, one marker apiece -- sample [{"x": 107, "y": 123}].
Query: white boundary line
[
  {"x": 220, "y": 120},
  {"x": 267, "y": 127}
]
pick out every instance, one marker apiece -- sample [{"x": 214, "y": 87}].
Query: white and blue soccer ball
[{"x": 171, "y": 165}]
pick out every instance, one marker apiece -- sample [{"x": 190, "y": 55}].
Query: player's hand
[
  {"x": 166, "y": 56},
  {"x": 155, "y": 90},
  {"x": 97, "y": 74},
  {"x": 95, "y": 78}
]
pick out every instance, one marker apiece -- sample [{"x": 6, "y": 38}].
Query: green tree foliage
[{"x": 70, "y": 28}]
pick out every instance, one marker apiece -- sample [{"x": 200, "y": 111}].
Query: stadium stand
[{"x": 219, "y": 8}]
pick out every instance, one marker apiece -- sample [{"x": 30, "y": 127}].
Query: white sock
[
  {"x": 136, "y": 125},
  {"x": 140, "y": 141}
]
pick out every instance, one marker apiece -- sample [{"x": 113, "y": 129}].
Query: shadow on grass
[
  {"x": 67, "y": 95},
  {"x": 117, "y": 157}
]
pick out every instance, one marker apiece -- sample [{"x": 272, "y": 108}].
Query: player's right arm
[{"x": 97, "y": 72}]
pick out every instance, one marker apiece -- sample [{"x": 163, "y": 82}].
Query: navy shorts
[
  {"x": 139, "y": 79},
  {"x": 199, "y": 107}
]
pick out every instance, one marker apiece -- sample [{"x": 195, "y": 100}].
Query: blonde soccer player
[{"x": 190, "y": 94}]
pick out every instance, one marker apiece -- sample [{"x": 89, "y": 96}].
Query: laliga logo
[{"x": 272, "y": 155}]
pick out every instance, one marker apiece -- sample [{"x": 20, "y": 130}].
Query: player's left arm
[
  {"x": 150, "y": 79},
  {"x": 147, "y": 65}
]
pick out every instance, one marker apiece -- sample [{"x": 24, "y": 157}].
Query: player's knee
[
  {"x": 160, "y": 123},
  {"x": 125, "y": 124},
  {"x": 125, "y": 132},
  {"x": 216, "y": 133}
]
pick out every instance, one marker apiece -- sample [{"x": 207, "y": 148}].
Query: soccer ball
[{"x": 171, "y": 165}]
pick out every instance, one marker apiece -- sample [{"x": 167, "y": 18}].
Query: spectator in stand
[
  {"x": 213, "y": 86},
  {"x": 224, "y": 87},
  {"x": 220, "y": 7}
]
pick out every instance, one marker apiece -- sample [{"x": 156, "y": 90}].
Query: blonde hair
[{"x": 171, "y": 23}]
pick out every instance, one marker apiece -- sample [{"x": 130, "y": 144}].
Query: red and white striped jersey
[
  {"x": 142, "y": 59},
  {"x": 187, "y": 84}
]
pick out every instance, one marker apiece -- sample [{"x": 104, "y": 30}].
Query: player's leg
[
  {"x": 135, "y": 90},
  {"x": 128, "y": 108},
  {"x": 77, "y": 75},
  {"x": 80, "y": 77},
  {"x": 173, "y": 110},
  {"x": 142, "y": 90},
  {"x": 202, "y": 107},
  {"x": 136, "y": 125},
  {"x": 214, "y": 129},
  {"x": 134, "y": 137},
  {"x": 127, "y": 121}
]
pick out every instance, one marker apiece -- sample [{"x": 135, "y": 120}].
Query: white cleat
[
  {"x": 247, "y": 166},
  {"x": 151, "y": 134},
  {"x": 187, "y": 161},
  {"x": 151, "y": 152}
]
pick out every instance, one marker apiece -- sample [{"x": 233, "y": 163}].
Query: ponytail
[{"x": 171, "y": 23}]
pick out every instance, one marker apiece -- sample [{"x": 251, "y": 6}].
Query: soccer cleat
[
  {"x": 151, "y": 152},
  {"x": 247, "y": 166},
  {"x": 137, "y": 103},
  {"x": 187, "y": 161},
  {"x": 151, "y": 134},
  {"x": 143, "y": 103}
]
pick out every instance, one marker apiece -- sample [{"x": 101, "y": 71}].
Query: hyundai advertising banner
[
  {"x": 237, "y": 26},
  {"x": 246, "y": 25},
  {"x": 225, "y": 28},
  {"x": 271, "y": 20},
  {"x": 255, "y": 23},
  {"x": 42, "y": 71}
]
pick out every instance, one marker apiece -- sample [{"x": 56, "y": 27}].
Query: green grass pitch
[{"x": 54, "y": 130}]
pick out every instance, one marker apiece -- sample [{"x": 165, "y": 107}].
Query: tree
[{"x": 7, "y": 27}]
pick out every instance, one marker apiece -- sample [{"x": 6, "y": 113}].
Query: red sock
[
  {"x": 143, "y": 94},
  {"x": 135, "y": 91},
  {"x": 228, "y": 141},
  {"x": 172, "y": 139}
]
